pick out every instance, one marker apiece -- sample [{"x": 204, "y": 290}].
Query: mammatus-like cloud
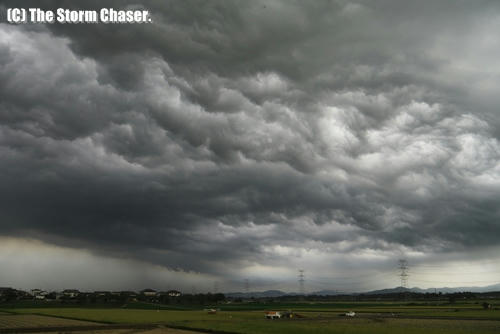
[{"x": 224, "y": 141}]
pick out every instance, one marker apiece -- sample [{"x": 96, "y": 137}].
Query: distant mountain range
[
  {"x": 278, "y": 293},
  {"x": 489, "y": 288}
]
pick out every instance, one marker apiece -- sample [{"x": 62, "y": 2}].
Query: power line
[
  {"x": 417, "y": 271},
  {"x": 355, "y": 277}
]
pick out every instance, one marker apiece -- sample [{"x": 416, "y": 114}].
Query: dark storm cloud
[{"x": 225, "y": 129}]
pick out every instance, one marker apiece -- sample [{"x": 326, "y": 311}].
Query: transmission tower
[
  {"x": 302, "y": 281},
  {"x": 403, "y": 272},
  {"x": 247, "y": 286}
]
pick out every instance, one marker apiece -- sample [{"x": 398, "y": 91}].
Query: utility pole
[
  {"x": 216, "y": 287},
  {"x": 247, "y": 285},
  {"x": 302, "y": 281}
]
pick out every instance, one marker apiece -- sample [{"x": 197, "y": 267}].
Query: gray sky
[{"x": 233, "y": 140}]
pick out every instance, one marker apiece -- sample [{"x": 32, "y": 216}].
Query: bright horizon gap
[{"x": 33, "y": 252}]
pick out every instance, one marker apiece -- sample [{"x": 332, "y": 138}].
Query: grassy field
[{"x": 381, "y": 318}]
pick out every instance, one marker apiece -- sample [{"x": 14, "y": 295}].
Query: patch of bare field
[
  {"x": 127, "y": 331},
  {"x": 28, "y": 321},
  {"x": 39, "y": 324}
]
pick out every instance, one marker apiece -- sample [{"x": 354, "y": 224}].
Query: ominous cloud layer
[{"x": 237, "y": 138}]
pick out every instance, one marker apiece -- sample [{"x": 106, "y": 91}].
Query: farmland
[
  {"x": 30, "y": 323},
  {"x": 376, "y": 318},
  {"x": 29, "y": 320}
]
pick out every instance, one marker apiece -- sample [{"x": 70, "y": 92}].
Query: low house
[
  {"x": 148, "y": 292},
  {"x": 273, "y": 315},
  {"x": 101, "y": 293},
  {"x": 36, "y": 292},
  {"x": 71, "y": 293},
  {"x": 173, "y": 293},
  {"x": 39, "y": 294}
]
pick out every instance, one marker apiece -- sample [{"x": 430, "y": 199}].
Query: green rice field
[{"x": 310, "y": 318}]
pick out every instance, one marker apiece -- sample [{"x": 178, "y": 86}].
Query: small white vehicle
[
  {"x": 350, "y": 314},
  {"x": 273, "y": 315}
]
